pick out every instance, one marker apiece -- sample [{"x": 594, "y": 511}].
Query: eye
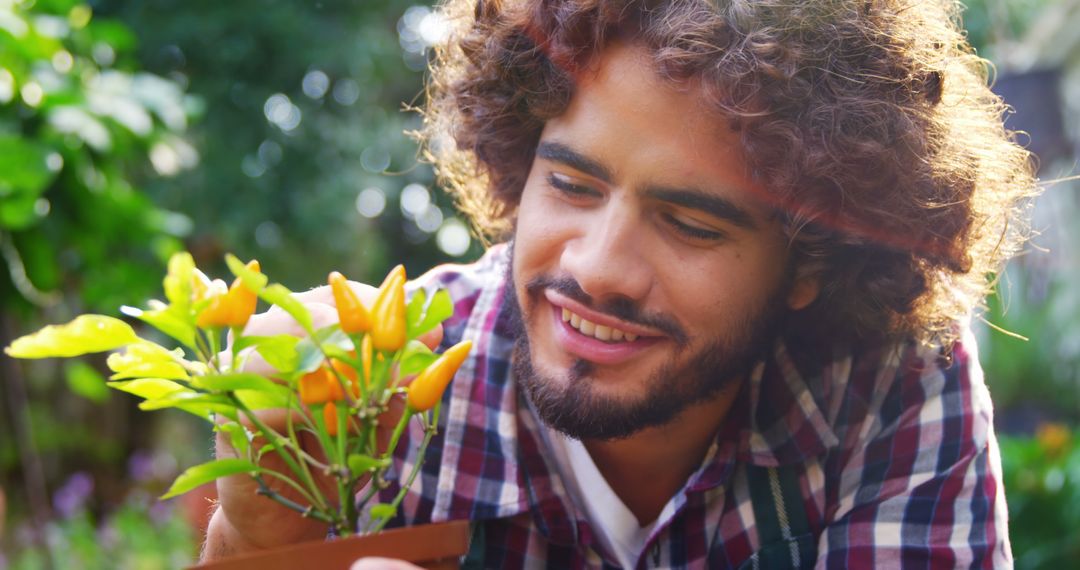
[
  {"x": 691, "y": 231},
  {"x": 563, "y": 185}
]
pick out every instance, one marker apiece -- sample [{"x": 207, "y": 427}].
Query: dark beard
[{"x": 576, "y": 409}]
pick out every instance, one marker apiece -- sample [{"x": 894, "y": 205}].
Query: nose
[{"x": 608, "y": 258}]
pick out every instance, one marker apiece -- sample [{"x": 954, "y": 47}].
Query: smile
[{"x": 601, "y": 332}]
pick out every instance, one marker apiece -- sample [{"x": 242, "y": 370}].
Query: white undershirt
[{"x": 616, "y": 527}]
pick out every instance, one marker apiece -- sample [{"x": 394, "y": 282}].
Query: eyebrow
[
  {"x": 558, "y": 152},
  {"x": 695, "y": 199},
  {"x": 710, "y": 204}
]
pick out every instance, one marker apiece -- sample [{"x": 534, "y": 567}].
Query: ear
[{"x": 803, "y": 292}]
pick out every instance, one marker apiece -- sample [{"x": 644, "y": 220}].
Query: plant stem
[
  {"x": 428, "y": 434},
  {"x": 266, "y": 491},
  {"x": 290, "y": 482},
  {"x": 275, "y": 440}
]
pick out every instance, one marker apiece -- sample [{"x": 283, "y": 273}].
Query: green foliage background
[{"x": 253, "y": 127}]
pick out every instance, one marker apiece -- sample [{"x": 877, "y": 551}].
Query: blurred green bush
[{"x": 1042, "y": 485}]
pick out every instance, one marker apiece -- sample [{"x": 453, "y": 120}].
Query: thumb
[{"x": 376, "y": 563}]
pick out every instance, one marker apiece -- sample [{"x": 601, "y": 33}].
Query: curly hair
[{"x": 870, "y": 122}]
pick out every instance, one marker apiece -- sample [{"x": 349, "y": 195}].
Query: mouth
[
  {"x": 599, "y": 332},
  {"x": 596, "y": 337}
]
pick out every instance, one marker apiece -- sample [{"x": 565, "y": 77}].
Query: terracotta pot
[{"x": 436, "y": 546}]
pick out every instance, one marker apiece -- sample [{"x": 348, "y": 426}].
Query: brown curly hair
[{"x": 869, "y": 121}]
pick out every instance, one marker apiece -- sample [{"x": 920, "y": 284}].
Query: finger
[
  {"x": 432, "y": 338},
  {"x": 376, "y": 563},
  {"x": 323, "y": 294}
]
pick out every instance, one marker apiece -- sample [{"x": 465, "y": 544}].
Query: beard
[{"x": 579, "y": 409}]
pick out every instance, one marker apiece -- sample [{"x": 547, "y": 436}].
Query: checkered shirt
[{"x": 894, "y": 450}]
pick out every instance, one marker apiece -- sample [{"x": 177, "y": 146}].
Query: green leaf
[
  {"x": 86, "y": 382},
  {"x": 382, "y": 511},
  {"x": 201, "y": 405},
  {"x": 281, "y": 296},
  {"x": 237, "y": 381},
  {"x": 310, "y": 356},
  {"x": 252, "y": 279},
  {"x": 440, "y": 308},
  {"x": 151, "y": 388},
  {"x": 279, "y": 351},
  {"x": 207, "y": 472},
  {"x": 147, "y": 360},
  {"x": 84, "y": 335},
  {"x": 23, "y": 167},
  {"x": 239, "y": 436},
  {"x": 262, "y": 400},
  {"x": 359, "y": 463},
  {"x": 178, "y": 280},
  {"x": 415, "y": 311},
  {"x": 169, "y": 320},
  {"x": 415, "y": 357}
]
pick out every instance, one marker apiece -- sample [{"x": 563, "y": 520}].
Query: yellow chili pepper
[
  {"x": 352, "y": 314},
  {"x": 427, "y": 389},
  {"x": 232, "y": 309},
  {"x": 365, "y": 358},
  {"x": 397, "y": 271},
  {"x": 388, "y": 313}
]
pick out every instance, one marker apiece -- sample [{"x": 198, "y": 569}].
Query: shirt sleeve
[{"x": 918, "y": 483}]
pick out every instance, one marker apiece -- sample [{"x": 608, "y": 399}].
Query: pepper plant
[{"x": 335, "y": 383}]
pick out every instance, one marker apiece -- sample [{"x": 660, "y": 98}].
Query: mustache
[{"x": 619, "y": 307}]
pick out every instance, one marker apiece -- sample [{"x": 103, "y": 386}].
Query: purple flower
[{"x": 72, "y": 496}]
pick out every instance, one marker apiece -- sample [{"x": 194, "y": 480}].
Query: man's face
[{"x": 648, "y": 275}]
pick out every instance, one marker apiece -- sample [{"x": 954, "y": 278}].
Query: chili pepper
[
  {"x": 352, "y": 314},
  {"x": 397, "y": 271},
  {"x": 330, "y": 418},
  {"x": 388, "y": 313},
  {"x": 349, "y": 373},
  {"x": 365, "y": 358},
  {"x": 319, "y": 387},
  {"x": 427, "y": 389},
  {"x": 233, "y": 308}
]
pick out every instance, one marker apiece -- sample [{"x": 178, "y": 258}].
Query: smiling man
[{"x": 728, "y": 325}]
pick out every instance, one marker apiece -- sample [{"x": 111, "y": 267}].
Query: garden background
[{"x": 133, "y": 129}]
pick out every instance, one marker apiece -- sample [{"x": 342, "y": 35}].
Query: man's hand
[
  {"x": 244, "y": 520},
  {"x": 375, "y": 563}
]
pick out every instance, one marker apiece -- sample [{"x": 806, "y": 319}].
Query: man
[{"x": 727, "y": 327}]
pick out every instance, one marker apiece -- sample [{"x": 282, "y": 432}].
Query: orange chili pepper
[
  {"x": 330, "y": 417},
  {"x": 427, "y": 389},
  {"x": 319, "y": 387},
  {"x": 350, "y": 376},
  {"x": 232, "y": 309},
  {"x": 352, "y": 314},
  {"x": 388, "y": 312}
]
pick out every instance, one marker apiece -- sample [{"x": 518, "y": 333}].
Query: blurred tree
[
  {"x": 80, "y": 128},
  {"x": 305, "y": 160}
]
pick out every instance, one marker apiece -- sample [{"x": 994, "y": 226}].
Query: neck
[{"x": 646, "y": 469}]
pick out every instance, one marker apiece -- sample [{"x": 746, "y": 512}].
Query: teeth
[
  {"x": 601, "y": 332},
  {"x": 587, "y": 328}
]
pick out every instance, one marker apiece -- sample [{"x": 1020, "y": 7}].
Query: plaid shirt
[{"x": 894, "y": 451}]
